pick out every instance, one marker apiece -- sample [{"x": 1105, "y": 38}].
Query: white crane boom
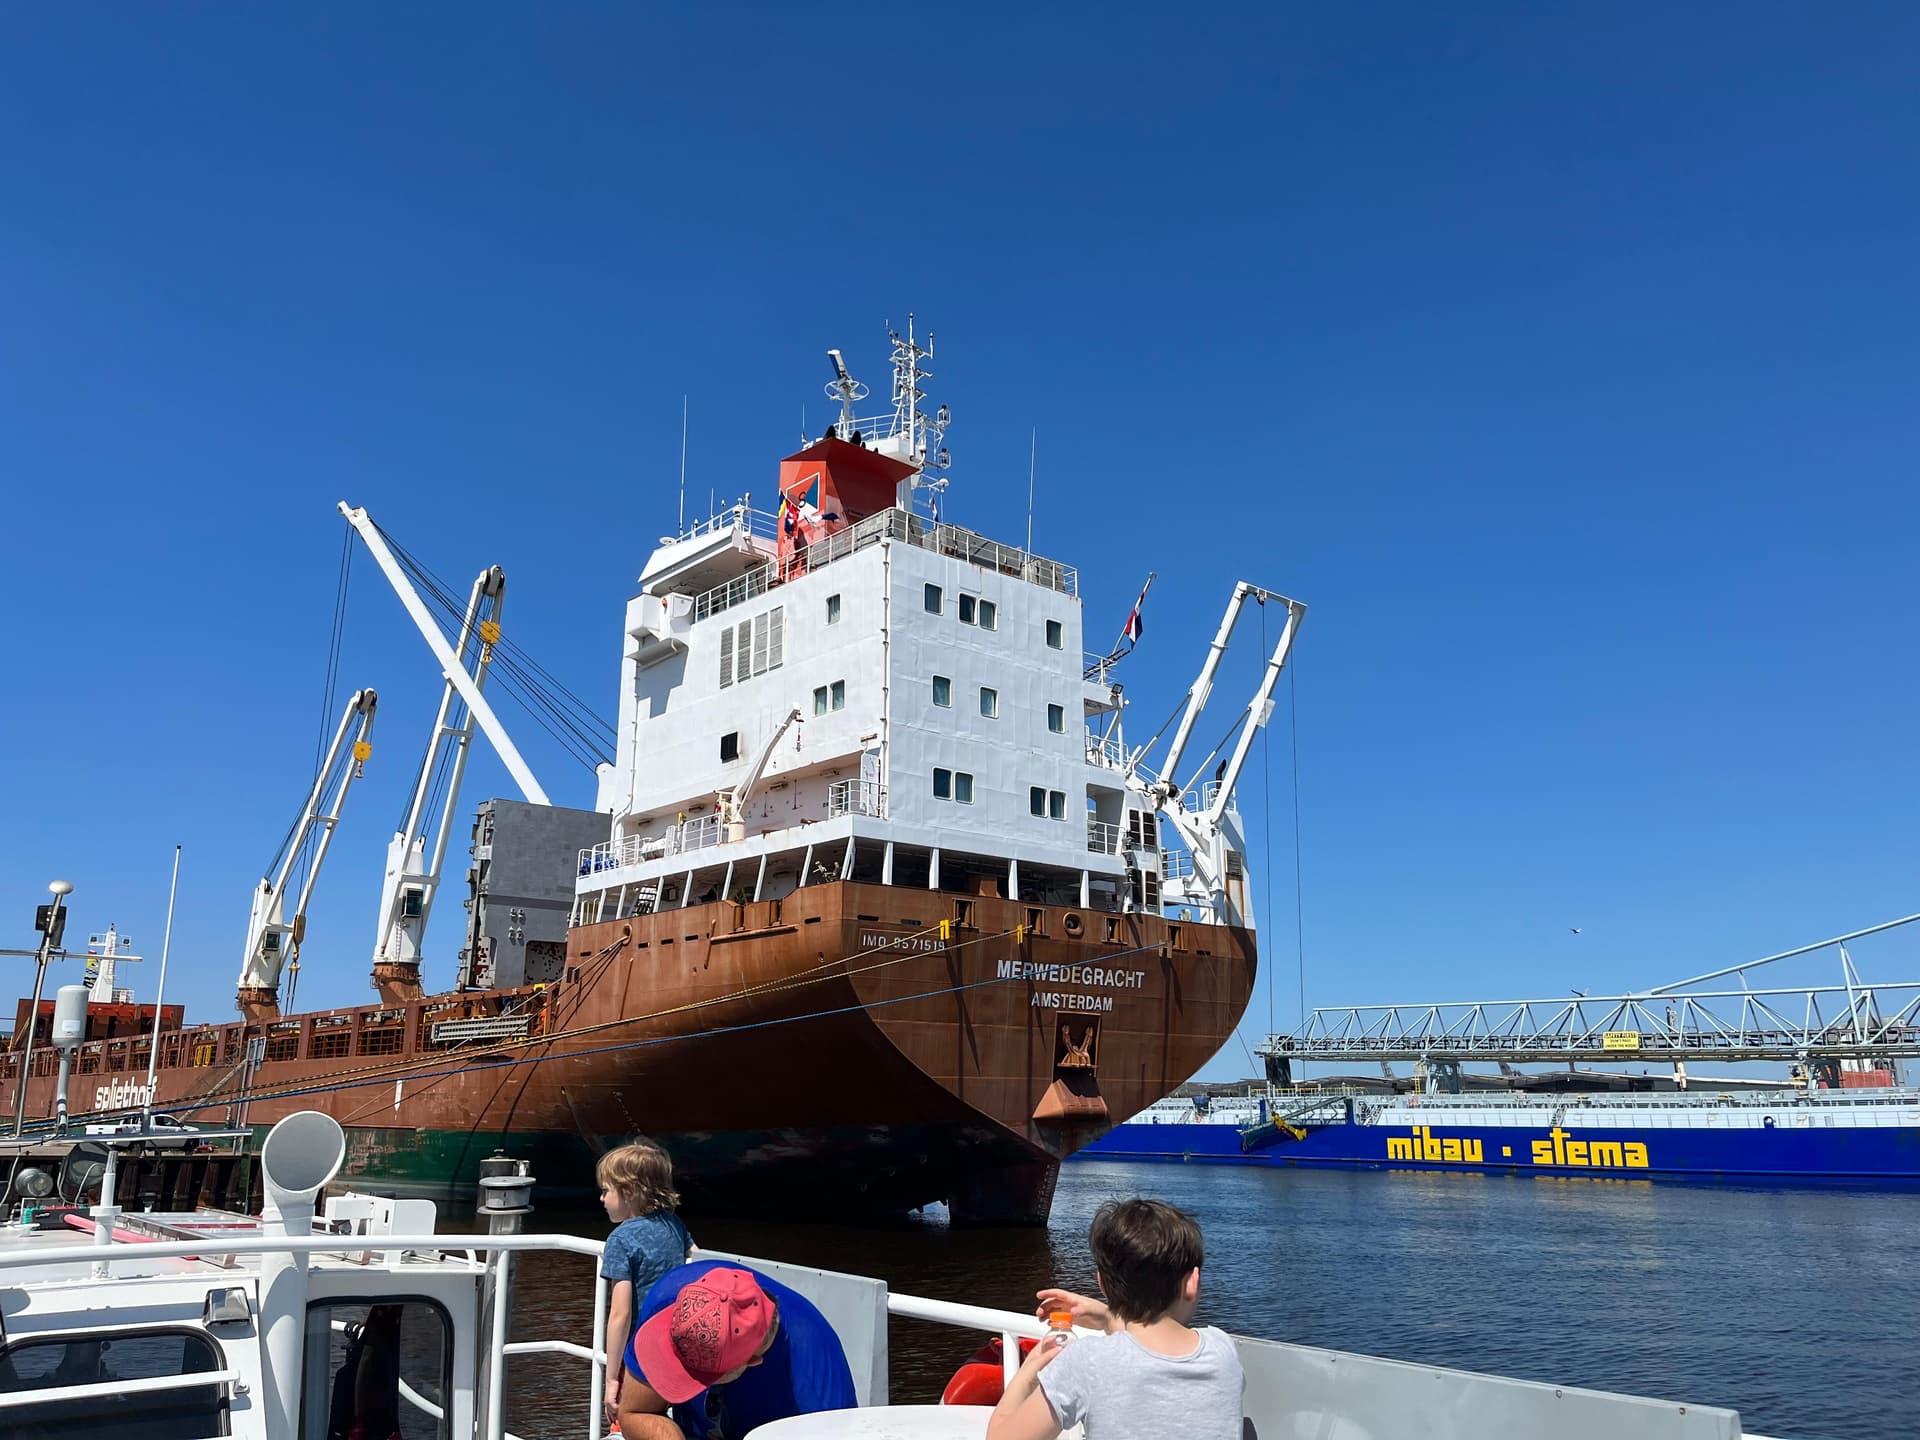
[
  {"x": 733, "y": 802},
  {"x": 272, "y": 939},
  {"x": 450, "y": 665},
  {"x": 1258, "y": 710},
  {"x": 413, "y": 872},
  {"x": 1210, "y": 830}
]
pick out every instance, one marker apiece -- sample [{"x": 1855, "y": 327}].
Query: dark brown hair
[
  {"x": 642, "y": 1173},
  {"x": 1144, "y": 1251}
]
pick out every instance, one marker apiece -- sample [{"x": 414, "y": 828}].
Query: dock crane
[
  {"x": 733, "y": 802},
  {"x": 1204, "y": 818},
  {"x": 273, "y": 938},
  {"x": 413, "y": 870}
]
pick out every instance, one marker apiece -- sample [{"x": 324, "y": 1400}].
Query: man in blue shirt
[{"x": 729, "y": 1350}]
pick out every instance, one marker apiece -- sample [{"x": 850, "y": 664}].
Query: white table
[
  {"x": 891, "y": 1422},
  {"x": 883, "y": 1422}
]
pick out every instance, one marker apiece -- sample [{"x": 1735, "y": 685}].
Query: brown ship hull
[{"x": 832, "y": 1052}]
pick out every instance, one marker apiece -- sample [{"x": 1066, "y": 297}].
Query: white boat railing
[{"x": 1103, "y": 837}]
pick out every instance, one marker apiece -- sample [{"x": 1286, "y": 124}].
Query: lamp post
[{"x": 50, "y": 922}]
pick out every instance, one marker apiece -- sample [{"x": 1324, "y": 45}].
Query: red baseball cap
[{"x": 714, "y": 1325}]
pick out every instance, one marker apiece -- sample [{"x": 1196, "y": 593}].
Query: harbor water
[{"x": 1795, "y": 1306}]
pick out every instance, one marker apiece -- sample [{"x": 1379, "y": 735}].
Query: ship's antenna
[
  {"x": 683, "y": 464},
  {"x": 1033, "y": 450},
  {"x": 847, "y": 390}
]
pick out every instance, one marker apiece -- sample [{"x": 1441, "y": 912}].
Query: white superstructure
[{"x": 953, "y": 732}]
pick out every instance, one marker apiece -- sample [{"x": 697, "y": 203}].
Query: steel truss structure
[{"x": 1680, "y": 1022}]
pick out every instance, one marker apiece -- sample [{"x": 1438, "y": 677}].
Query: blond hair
[{"x": 643, "y": 1174}]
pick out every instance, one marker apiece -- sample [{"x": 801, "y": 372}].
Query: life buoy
[
  {"x": 983, "y": 1378},
  {"x": 1072, "y": 926}
]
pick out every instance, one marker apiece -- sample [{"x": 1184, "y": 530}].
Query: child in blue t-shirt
[{"x": 648, "y": 1240}]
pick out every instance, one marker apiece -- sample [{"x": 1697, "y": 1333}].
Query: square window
[
  {"x": 933, "y": 600},
  {"x": 820, "y": 701},
  {"x": 1056, "y": 805},
  {"x": 942, "y": 690},
  {"x": 989, "y": 615},
  {"x": 966, "y": 610},
  {"x": 839, "y": 694},
  {"x": 1056, "y": 635},
  {"x": 989, "y": 703},
  {"x": 730, "y": 746},
  {"x": 963, "y": 787},
  {"x": 942, "y": 784},
  {"x": 833, "y": 609},
  {"x": 1057, "y": 719},
  {"x": 1037, "y": 801}
]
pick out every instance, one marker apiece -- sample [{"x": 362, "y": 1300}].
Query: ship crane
[
  {"x": 273, "y": 937},
  {"x": 413, "y": 870},
  {"x": 733, "y": 802},
  {"x": 1205, "y": 818}
]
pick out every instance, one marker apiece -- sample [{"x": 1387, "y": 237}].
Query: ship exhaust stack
[{"x": 301, "y": 1154}]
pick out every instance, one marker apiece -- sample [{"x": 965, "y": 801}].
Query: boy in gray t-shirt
[{"x": 1149, "y": 1374}]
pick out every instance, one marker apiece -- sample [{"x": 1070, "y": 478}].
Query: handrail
[{"x": 101, "y": 1389}]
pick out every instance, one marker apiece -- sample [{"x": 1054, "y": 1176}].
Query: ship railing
[
  {"x": 890, "y": 524},
  {"x": 1107, "y": 752},
  {"x": 741, "y": 517},
  {"x": 856, "y": 797},
  {"x": 1104, "y": 837},
  {"x": 1176, "y": 864}
]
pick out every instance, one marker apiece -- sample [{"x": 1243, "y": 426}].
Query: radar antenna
[{"x": 848, "y": 392}]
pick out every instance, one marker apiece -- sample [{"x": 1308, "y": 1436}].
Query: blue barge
[{"x": 1757, "y": 1136}]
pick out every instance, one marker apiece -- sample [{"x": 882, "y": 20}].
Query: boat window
[
  {"x": 963, "y": 787},
  {"x": 1056, "y": 804},
  {"x": 1056, "y": 635},
  {"x": 385, "y": 1365},
  {"x": 1057, "y": 719},
  {"x": 966, "y": 609},
  {"x": 820, "y": 701},
  {"x": 934, "y": 601},
  {"x": 1037, "y": 800},
  {"x": 989, "y": 702},
  {"x": 60, "y": 1361},
  {"x": 989, "y": 614},
  {"x": 833, "y": 609},
  {"x": 942, "y": 690},
  {"x": 839, "y": 694},
  {"x": 730, "y": 745},
  {"x": 942, "y": 784}
]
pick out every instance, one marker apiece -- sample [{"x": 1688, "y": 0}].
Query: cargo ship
[
  {"x": 1847, "y": 1135},
  {"x": 877, "y": 908}
]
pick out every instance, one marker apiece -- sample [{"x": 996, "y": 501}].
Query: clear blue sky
[{"x": 1563, "y": 361}]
